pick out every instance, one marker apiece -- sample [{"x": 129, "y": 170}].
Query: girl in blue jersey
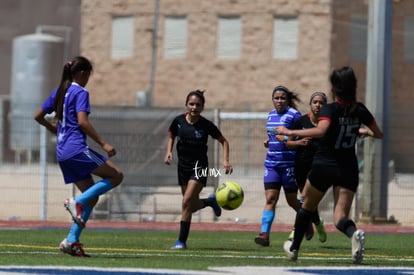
[
  {"x": 70, "y": 103},
  {"x": 192, "y": 131},
  {"x": 279, "y": 162},
  {"x": 335, "y": 162}
]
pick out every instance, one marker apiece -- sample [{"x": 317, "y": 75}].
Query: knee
[
  {"x": 272, "y": 198},
  {"x": 294, "y": 204},
  {"x": 185, "y": 203},
  {"x": 117, "y": 179}
]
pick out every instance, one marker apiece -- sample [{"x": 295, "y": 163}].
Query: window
[
  {"x": 358, "y": 38},
  {"x": 285, "y": 38},
  {"x": 229, "y": 37},
  {"x": 122, "y": 37},
  {"x": 175, "y": 37},
  {"x": 409, "y": 39}
]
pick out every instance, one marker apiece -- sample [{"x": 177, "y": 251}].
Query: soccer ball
[{"x": 229, "y": 195}]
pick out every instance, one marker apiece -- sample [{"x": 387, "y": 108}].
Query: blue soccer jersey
[
  {"x": 71, "y": 140},
  {"x": 278, "y": 154}
]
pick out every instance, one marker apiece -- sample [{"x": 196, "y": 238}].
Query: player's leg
[
  {"x": 190, "y": 203},
  {"x": 111, "y": 177},
  {"x": 209, "y": 201},
  {"x": 312, "y": 197},
  {"x": 343, "y": 201},
  {"x": 71, "y": 244},
  {"x": 301, "y": 174},
  {"x": 272, "y": 192}
]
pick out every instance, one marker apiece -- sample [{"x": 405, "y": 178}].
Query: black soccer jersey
[
  {"x": 343, "y": 131},
  {"x": 339, "y": 141},
  {"x": 192, "y": 140},
  {"x": 335, "y": 162},
  {"x": 304, "y": 154}
]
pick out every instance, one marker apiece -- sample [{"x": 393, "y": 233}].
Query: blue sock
[
  {"x": 99, "y": 188},
  {"x": 75, "y": 230},
  {"x": 267, "y": 220}
]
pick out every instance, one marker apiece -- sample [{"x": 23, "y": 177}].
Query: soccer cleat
[
  {"x": 74, "y": 249},
  {"x": 358, "y": 249},
  {"x": 309, "y": 232},
  {"x": 262, "y": 239},
  {"x": 320, "y": 231},
  {"x": 214, "y": 205},
  {"x": 75, "y": 209},
  {"x": 291, "y": 235},
  {"x": 65, "y": 246},
  {"x": 292, "y": 255},
  {"x": 179, "y": 245}
]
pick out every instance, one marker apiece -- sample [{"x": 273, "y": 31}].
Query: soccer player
[
  {"x": 70, "y": 102},
  {"x": 192, "y": 131},
  {"x": 305, "y": 150},
  {"x": 279, "y": 162},
  {"x": 335, "y": 163}
]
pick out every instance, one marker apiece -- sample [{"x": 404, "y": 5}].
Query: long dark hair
[
  {"x": 77, "y": 64},
  {"x": 344, "y": 86},
  {"x": 291, "y": 96}
]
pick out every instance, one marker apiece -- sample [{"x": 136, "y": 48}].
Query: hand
[
  {"x": 365, "y": 132},
  {"x": 168, "y": 158},
  {"x": 266, "y": 143},
  {"x": 282, "y": 130},
  {"x": 305, "y": 141},
  {"x": 109, "y": 149},
  {"x": 280, "y": 138},
  {"x": 227, "y": 167}
]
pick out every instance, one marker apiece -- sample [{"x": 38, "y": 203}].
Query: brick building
[{"x": 238, "y": 50}]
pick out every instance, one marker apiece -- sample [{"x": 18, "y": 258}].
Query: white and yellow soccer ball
[{"x": 229, "y": 195}]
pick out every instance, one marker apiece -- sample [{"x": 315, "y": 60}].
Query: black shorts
[
  {"x": 301, "y": 173},
  {"x": 324, "y": 176},
  {"x": 185, "y": 174}
]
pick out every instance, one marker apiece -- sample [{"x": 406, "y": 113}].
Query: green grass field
[{"x": 128, "y": 248}]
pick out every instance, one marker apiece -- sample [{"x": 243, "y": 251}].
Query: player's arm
[
  {"x": 40, "y": 118},
  {"x": 90, "y": 131},
  {"x": 315, "y": 132},
  {"x": 293, "y": 142},
  {"x": 168, "y": 153},
  {"x": 226, "y": 154},
  {"x": 372, "y": 131}
]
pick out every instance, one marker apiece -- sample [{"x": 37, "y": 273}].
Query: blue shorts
[
  {"x": 276, "y": 177},
  {"x": 80, "y": 166}
]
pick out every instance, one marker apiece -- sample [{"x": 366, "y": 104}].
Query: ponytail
[
  {"x": 73, "y": 66},
  {"x": 344, "y": 85}
]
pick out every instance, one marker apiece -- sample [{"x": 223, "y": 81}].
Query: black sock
[
  {"x": 346, "y": 226},
  {"x": 315, "y": 218},
  {"x": 303, "y": 218},
  {"x": 207, "y": 202},
  {"x": 184, "y": 231}
]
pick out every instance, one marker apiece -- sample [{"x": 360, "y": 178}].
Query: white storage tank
[{"x": 37, "y": 64}]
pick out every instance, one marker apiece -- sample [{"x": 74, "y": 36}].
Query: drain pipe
[{"x": 150, "y": 90}]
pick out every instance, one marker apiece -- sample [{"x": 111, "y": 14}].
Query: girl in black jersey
[
  {"x": 305, "y": 150},
  {"x": 192, "y": 131},
  {"x": 335, "y": 162}
]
